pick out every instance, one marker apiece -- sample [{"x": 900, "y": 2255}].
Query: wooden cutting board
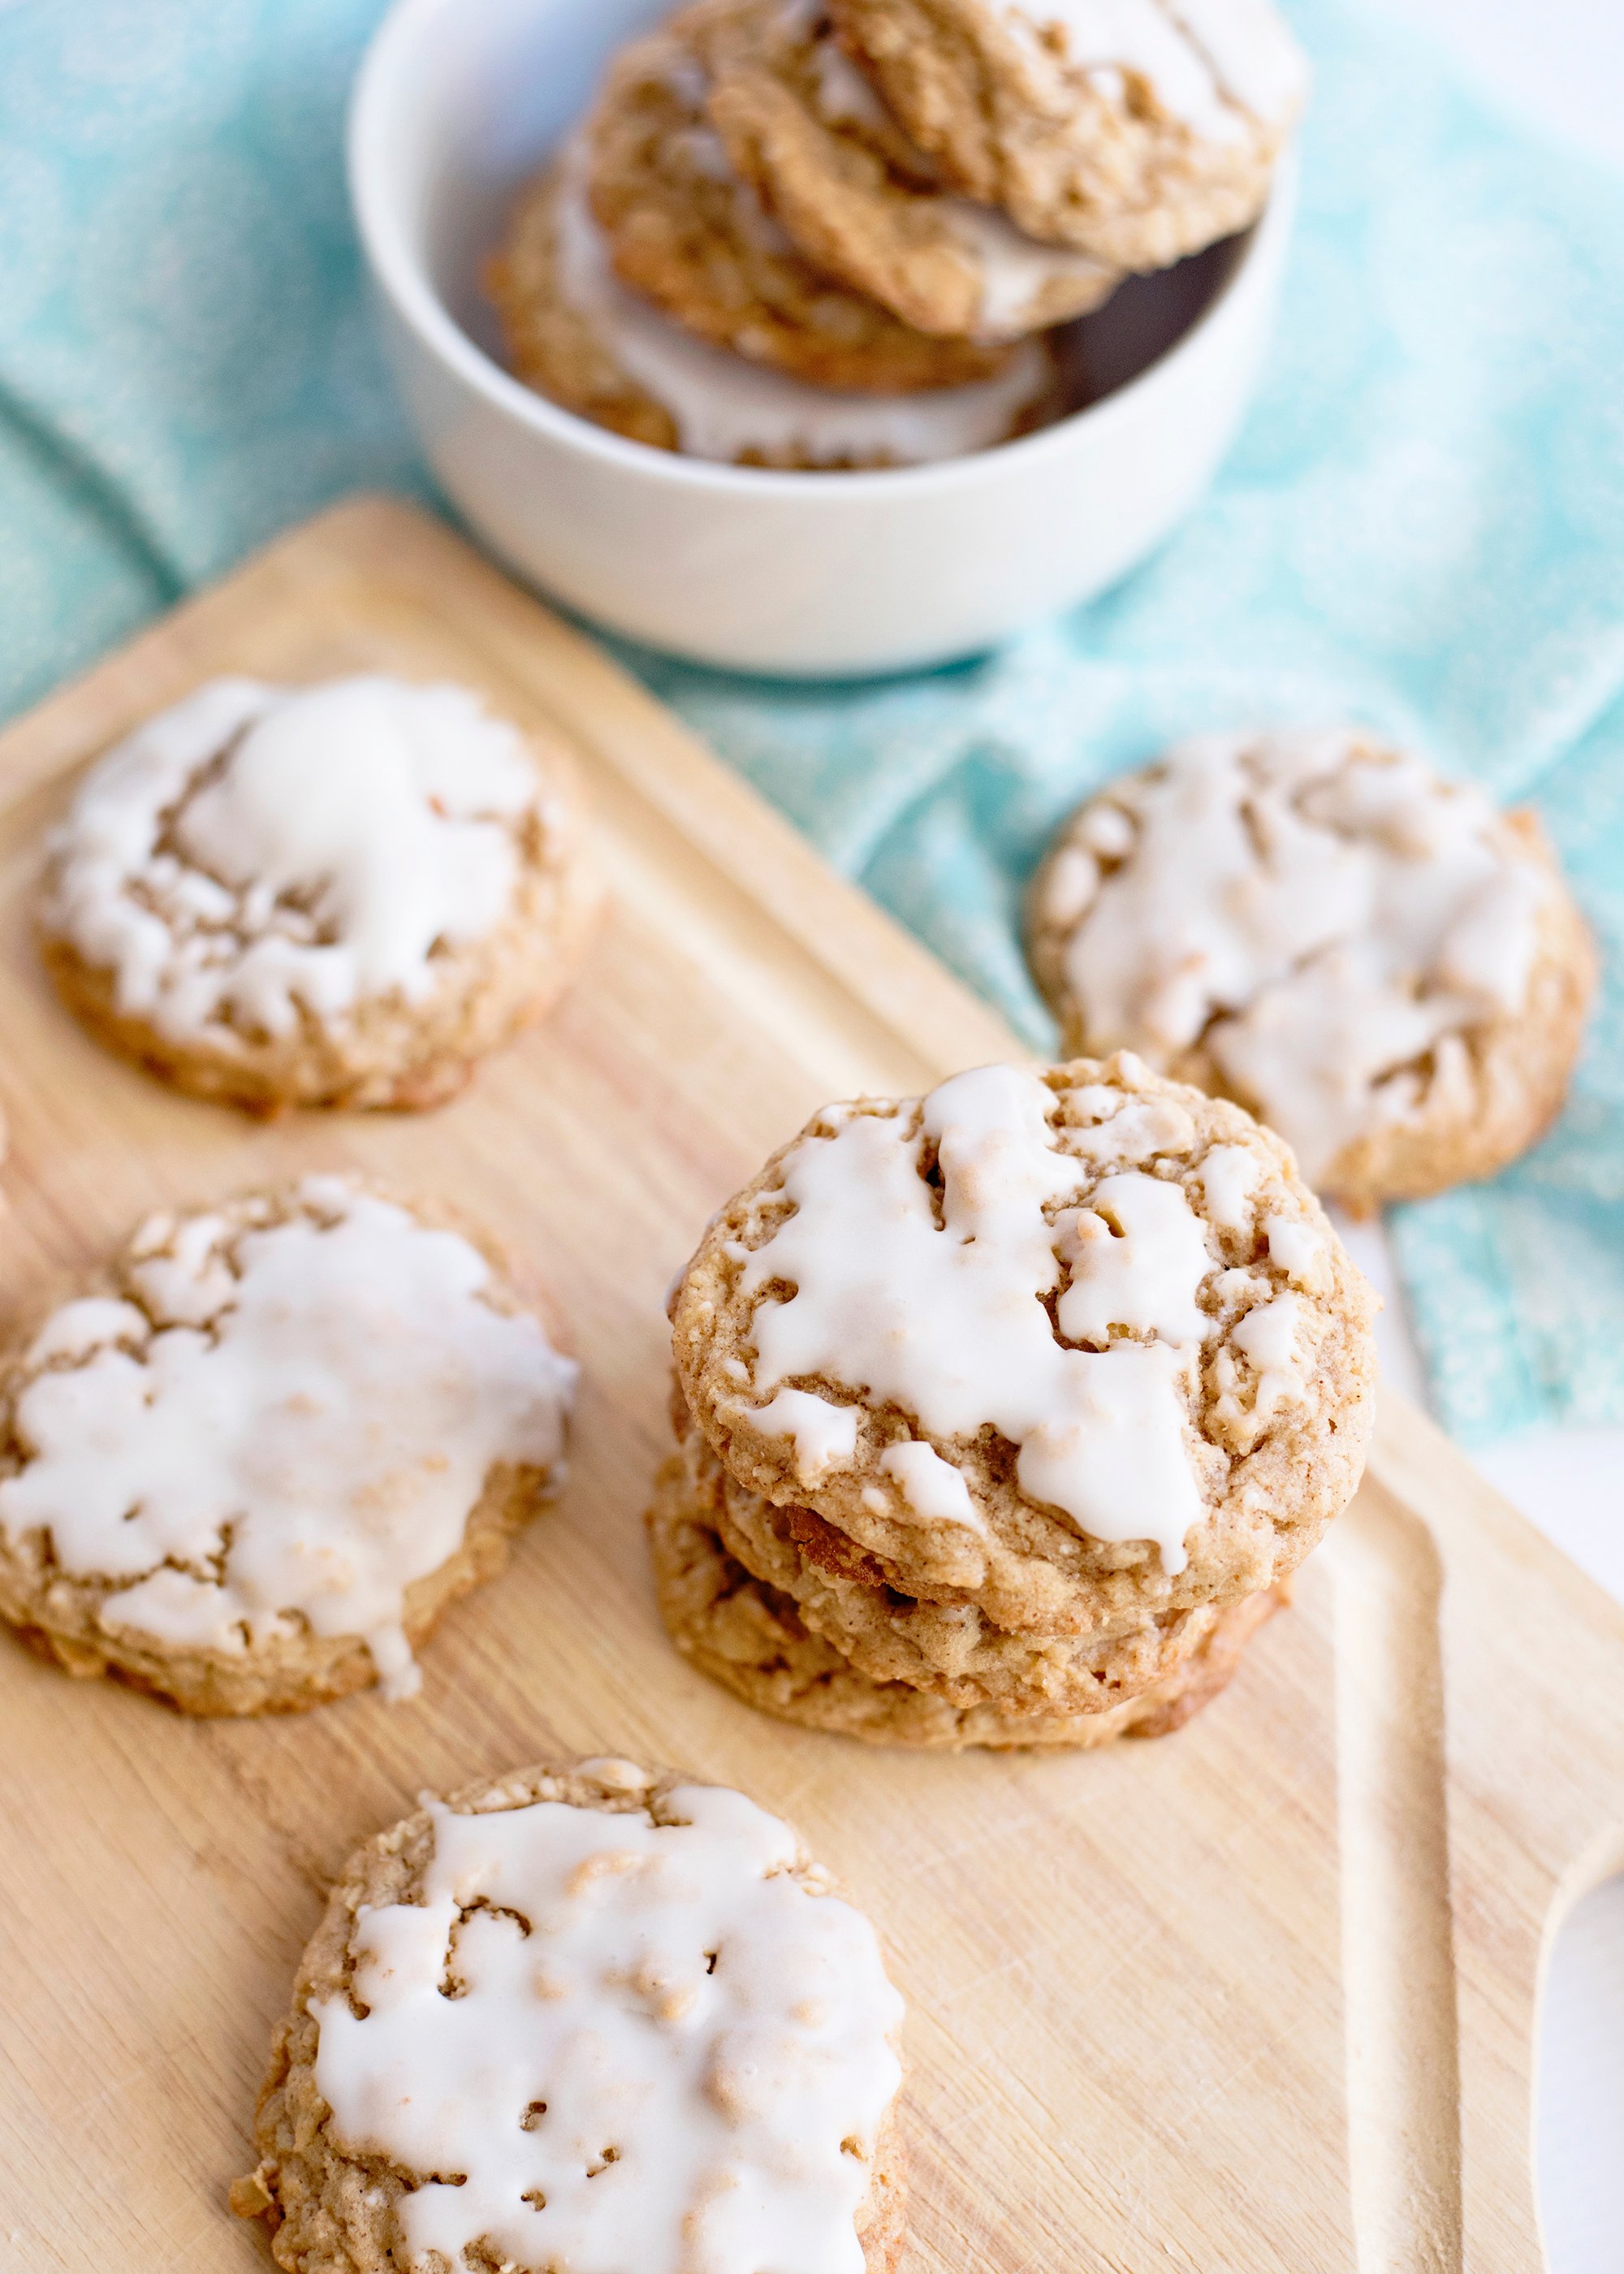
[{"x": 1256, "y": 2000}]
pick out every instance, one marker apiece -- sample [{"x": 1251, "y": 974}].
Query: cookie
[
  {"x": 576, "y": 334},
  {"x": 1076, "y": 1342},
  {"x": 688, "y": 232},
  {"x": 1138, "y": 131},
  {"x": 802, "y": 125},
  {"x": 751, "y": 1638},
  {"x": 943, "y": 1644},
  {"x": 1380, "y": 963},
  {"x": 585, "y": 2017},
  {"x": 338, "y": 895},
  {"x": 249, "y": 1473}
]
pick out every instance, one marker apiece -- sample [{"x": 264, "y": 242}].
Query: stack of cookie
[
  {"x": 1003, "y": 1414},
  {"x": 815, "y": 236}
]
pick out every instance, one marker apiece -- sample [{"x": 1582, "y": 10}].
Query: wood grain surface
[{"x": 1259, "y": 1998}]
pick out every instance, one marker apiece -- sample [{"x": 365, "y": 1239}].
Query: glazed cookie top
[
  {"x": 286, "y": 1414},
  {"x": 1138, "y": 129},
  {"x": 580, "y": 336},
  {"x": 1051, "y": 1333},
  {"x": 1321, "y": 918},
  {"x": 256, "y": 854},
  {"x": 800, "y": 121},
  {"x": 626, "y": 2026},
  {"x": 687, "y": 229}
]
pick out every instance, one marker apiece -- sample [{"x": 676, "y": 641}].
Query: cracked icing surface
[
  {"x": 689, "y": 231},
  {"x": 596, "y": 2017},
  {"x": 1021, "y": 1271},
  {"x": 801, "y": 122},
  {"x": 1136, "y": 129},
  {"x": 279, "y": 1427},
  {"x": 578, "y": 335},
  {"x": 946, "y": 1319},
  {"x": 308, "y": 846},
  {"x": 340, "y": 893},
  {"x": 1328, "y": 931}
]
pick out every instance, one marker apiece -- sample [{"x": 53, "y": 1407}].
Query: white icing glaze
[
  {"x": 1109, "y": 832},
  {"x": 1229, "y": 1177},
  {"x": 662, "y": 2041},
  {"x": 931, "y": 1487},
  {"x": 1269, "y": 1337},
  {"x": 1015, "y": 270},
  {"x": 949, "y": 1320},
  {"x": 93, "y": 1323},
  {"x": 826, "y": 1435},
  {"x": 1134, "y": 1129},
  {"x": 1297, "y": 1248},
  {"x": 844, "y": 97},
  {"x": 1137, "y": 1254},
  {"x": 1320, "y": 913},
  {"x": 348, "y": 828},
  {"x": 1070, "y": 886},
  {"x": 1205, "y": 61},
  {"x": 726, "y": 407},
  {"x": 305, "y": 1431},
  {"x": 1116, "y": 1461}
]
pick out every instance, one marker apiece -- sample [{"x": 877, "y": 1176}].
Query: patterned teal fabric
[{"x": 1421, "y": 526}]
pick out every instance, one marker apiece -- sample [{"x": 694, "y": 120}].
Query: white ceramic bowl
[{"x": 823, "y": 574}]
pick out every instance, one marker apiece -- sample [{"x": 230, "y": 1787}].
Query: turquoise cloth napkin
[{"x": 1421, "y": 526}]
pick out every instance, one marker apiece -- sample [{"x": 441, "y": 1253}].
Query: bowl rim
[{"x": 402, "y": 277}]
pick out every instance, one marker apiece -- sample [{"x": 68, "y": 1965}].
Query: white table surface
[{"x": 1559, "y": 64}]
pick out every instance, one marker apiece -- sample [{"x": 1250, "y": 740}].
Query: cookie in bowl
[
  {"x": 689, "y": 525},
  {"x": 345, "y": 894},
  {"x": 578, "y": 335},
  {"x": 1376, "y": 961},
  {"x": 690, "y": 233},
  {"x": 1138, "y": 131},
  {"x": 800, "y": 122}
]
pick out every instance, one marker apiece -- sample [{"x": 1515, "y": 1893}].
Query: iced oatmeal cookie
[
  {"x": 1377, "y": 962},
  {"x": 753, "y": 1639},
  {"x": 687, "y": 231},
  {"x": 802, "y": 123},
  {"x": 338, "y": 895},
  {"x": 1076, "y": 1342},
  {"x": 585, "y": 2017},
  {"x": 1137, "y": 130},
  {"x": 249, "y": 1473},
  {"x": 579, "y": 335}
]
